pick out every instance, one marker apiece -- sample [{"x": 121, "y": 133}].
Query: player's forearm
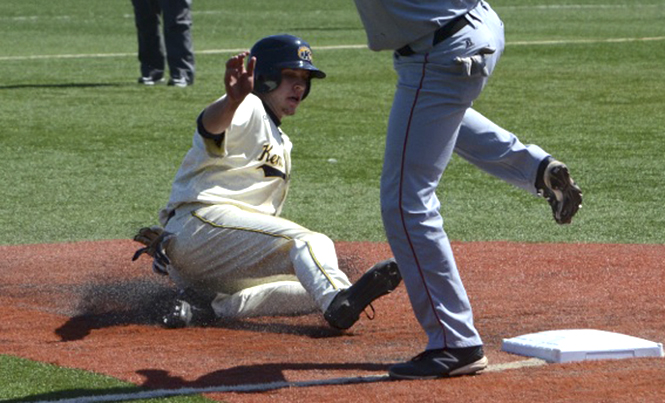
[{"x": 218, "y": 115}]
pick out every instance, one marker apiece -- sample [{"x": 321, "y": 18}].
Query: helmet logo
[{"x": 305, "y": 53}]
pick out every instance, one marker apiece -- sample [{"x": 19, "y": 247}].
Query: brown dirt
[{"x": 86, "y": 305}]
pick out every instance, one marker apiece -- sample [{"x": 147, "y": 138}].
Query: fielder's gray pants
[{"x": 431, "y": 117}]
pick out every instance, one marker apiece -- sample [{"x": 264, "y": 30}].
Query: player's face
[{"x": 284, "y": 100}]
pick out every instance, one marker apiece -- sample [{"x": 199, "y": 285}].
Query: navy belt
[{"x": 440, "y": 35}]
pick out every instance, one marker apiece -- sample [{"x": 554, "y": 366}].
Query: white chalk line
[
  {"x": 498, "y": 7},
  {"x": 334, "y": 47},
  {"x": 586, "y": 41},
  {"x": 572, "y": 6},
  {"x": 263, "y": 387},
  {"x": 531, "y": 362}
]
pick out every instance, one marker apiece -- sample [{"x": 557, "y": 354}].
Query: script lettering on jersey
[{"x": 273, "y": 161}]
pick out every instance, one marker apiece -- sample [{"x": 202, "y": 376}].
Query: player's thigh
[
  {"x": 233, "y": 217},
  {"x": 225, "y": 249},
  {"x": 427, "y": 111}
]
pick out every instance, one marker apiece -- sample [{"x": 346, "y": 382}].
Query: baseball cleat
[
  {"x": 345, "y": 308},
  {"x": 186, "y": 313},
  {"x": 155, "y": 240},
  {"x": 441, "y": 363},
  {"x": 180, "y": 315},
  {"x": 561, "y": 192}
]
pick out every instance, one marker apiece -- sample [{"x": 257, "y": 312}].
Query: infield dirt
[{"x": 86, "y": 305}]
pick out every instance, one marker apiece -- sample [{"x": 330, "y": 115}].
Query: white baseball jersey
[
  {"x": 248, "y": 165},
  {"x": 229, "y": 240}
]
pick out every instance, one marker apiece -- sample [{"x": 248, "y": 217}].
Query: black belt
[{"x": 441, "y": 34}]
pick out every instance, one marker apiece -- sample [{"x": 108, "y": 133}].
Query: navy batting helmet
[{"x": 277, "y": 52}]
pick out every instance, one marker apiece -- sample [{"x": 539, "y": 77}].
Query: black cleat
[
  {"x": 345, "y": 308},
  {"x": 561, "y": 192},
  {"x": 441, "y": 363},
  {"x": 179, "y": 317},
  {"x": 188, "y": 310}
]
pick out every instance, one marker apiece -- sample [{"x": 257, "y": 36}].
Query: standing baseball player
[
  {"x": 223, "y": 242},
  {"x": 444, "y": 52},
  {"x": 172, "y": 45}
]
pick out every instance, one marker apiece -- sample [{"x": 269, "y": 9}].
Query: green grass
[
  {"x": 88, "y": 154},
  {"x": 26, "y": 381}
]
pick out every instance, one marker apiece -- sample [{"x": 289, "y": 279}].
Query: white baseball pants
[{"x": 255, "y": 264}]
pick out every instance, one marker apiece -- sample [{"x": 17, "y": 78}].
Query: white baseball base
[{"x": 581, "y": 344}]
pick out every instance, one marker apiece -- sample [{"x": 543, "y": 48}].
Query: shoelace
[{"x": 373, "y": 312}]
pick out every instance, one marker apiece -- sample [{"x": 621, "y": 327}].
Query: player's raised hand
[{"x": 239, "y": 79}]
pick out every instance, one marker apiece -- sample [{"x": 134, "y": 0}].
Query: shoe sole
[
  {"x": 468, "y": 369},
  {"x": 178, "y": 84},
  {"x": 152, "y": 83},
  {"x": 364, "y": 292},
  {"x": 179, "y": 317},
  {"x": 472, "y": 368},
  {"x": 567, "y": 194}
]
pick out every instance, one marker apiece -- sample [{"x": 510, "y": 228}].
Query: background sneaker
[
  {"x": 180, "y": 315},
  {"x": 179, "y": 82},
  {"x": 150, "y": 80}
]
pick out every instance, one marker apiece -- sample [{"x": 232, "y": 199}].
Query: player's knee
[
  {"x": 321, "y": 240},
  {"x": 314, "y": 241}
]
